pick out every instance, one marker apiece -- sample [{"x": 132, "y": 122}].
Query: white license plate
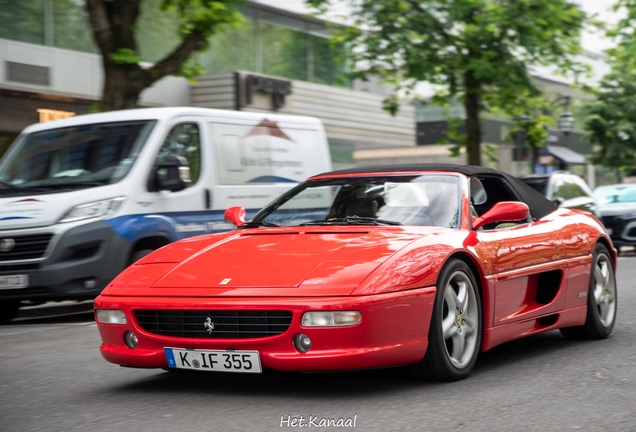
[
  {"x": 208, "y": 360},
  {"x": 14, "y": 281},
  {"x": 609, "y": 231}
]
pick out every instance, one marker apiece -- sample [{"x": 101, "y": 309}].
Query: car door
[
  {"x": 186, "y": 211},
  {"x": 525, "y": 266}
]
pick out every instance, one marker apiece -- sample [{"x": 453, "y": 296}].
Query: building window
[
  {"x": 22, "y": 20},
  {"x": 71, "y": 29},
  {"x": 232, "y": 49},
  {"x": 283, "y": 46}
]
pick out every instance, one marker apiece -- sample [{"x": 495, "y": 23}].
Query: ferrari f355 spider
[{"x": 419, "y": 265}]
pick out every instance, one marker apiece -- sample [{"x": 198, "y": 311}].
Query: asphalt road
[{"x": 52, "y": 378}]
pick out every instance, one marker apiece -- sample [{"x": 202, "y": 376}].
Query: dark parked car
[
  {"x": 565, "y": 189},
  {"x": 617, "y": 206}
]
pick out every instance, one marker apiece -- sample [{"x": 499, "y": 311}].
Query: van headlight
[{"x": 97, "y": 209}]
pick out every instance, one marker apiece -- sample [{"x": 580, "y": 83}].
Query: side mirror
[
  {"x": 171, "y": 174},
  {"x": 557, "y": 200},
  {"x": 502, "y": 212},
  {"x": 236, "y": 215}
]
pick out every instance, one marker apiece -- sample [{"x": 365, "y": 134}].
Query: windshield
[
  {"x": 427, "y": 200},
  {"x": 616, "y": 194},
  {"x": 74, "y": 157}
]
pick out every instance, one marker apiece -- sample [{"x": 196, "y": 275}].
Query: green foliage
[
  {"x": 205, "y": 16},
  {"x": 95, "y": 107},
  {"x": 190, "y": 70},
  {"x": 531, "y": 117},
  {"x": 611, "y": 118},
  {"x": 611, "y": 121},
  {"x": 125, "y": 56},
  {"x": 477, "y": 50}
]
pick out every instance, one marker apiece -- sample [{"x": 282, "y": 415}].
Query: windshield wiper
[
  {"x": 10, "y": 186},
  {"x": 352, "y": 220},
  {"x": 21, "y": 188},
  {"x": 256, "y": 224}
]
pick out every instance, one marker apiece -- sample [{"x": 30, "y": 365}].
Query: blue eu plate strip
[{"x": 170, "y": 357}]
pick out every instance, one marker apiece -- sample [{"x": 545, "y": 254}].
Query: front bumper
[
  {"x": 88, "y": 252},
  {"x": 393, "y": 331}
]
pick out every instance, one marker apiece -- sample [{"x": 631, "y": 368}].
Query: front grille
[
  {"x": 26, "y": 247},
  {"x": 14, "y": 268},
  {"x": 227, "y": 324}
]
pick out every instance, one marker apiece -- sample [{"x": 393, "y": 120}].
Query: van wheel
[
  {"x": 139, "y": 254},
  {"x": 8, "y": 311}
]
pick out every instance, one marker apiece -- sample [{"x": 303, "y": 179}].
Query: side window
[
  {"x": 559, "y": 189},
  {"x": 576, "y": 191},
  {"x": 184, "y": 140}
]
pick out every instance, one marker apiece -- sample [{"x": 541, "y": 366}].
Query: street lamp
[{"x": 566, "y": 123}]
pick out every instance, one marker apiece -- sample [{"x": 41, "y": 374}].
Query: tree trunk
[
  {"x": 472, "y": 104},
  {"x": 534, "y": 160},
  {"x": 123, "y": 83}
]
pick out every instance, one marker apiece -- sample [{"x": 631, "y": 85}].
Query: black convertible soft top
[{"x": 539, "y": 205}]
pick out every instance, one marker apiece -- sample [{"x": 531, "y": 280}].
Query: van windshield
[{"x": 72, "y": 158}]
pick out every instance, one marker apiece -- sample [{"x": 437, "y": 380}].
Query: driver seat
[{"x": 363, "y": 208}]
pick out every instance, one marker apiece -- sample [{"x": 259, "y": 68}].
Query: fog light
[
  {"x": 331, "y": 319},
  {"x": 90, "y": 284},
  {"x": 110, "y": 316},
  {"x": 302, "y": 342},
  {"x": 131, "y": 340}
]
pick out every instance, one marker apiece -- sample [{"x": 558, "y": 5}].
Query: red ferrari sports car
[{"x": 420, "y": 265}]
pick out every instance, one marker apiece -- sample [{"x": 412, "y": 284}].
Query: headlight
[
  {"x": 93, "y": 210},
  {"x": 110, "y": 316},
  {"x": 331, "y": 319}
]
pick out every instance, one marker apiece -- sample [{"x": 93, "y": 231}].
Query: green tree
[
  {"x": 479, "y": 51},
  {"x": 611, "y": 119},
  {"x": 113, "y": 23}
]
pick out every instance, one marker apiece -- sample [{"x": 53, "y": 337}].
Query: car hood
[
  {"x": 617, "y": 209},
  {"x": 281, "y": 261}
]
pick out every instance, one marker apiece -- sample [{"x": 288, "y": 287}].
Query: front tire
[
  {"x": 455, "y": 332},
  {"x": 601, "y": 299}
]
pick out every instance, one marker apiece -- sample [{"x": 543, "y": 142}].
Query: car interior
[{"x": 487, "y": 191}]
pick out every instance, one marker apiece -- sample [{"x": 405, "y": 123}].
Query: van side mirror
[
  {"x": 236, "y": 215},
  {"x": 503, "y": 211},
  {"x": 171, "y": 174}
]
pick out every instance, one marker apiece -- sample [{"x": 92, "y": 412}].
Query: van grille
[
  {"x": 227, "y": 324},
  {"x": 25, "y": 247}
]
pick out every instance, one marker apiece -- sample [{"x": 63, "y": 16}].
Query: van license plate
[
  {"x": 14, "y": 281},
  {"x": 219, "y": 361}
]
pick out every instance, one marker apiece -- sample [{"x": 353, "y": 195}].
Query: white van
[{"x": 82, "y": 198}]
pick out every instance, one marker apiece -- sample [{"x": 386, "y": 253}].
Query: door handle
[{"x": 207, "y": 198}]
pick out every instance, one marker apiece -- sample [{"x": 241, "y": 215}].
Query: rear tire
[
  {"x": 601, "y": 299},
  {"x": 8, "y": 311},
  {"x": 454, "y": 337}
]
